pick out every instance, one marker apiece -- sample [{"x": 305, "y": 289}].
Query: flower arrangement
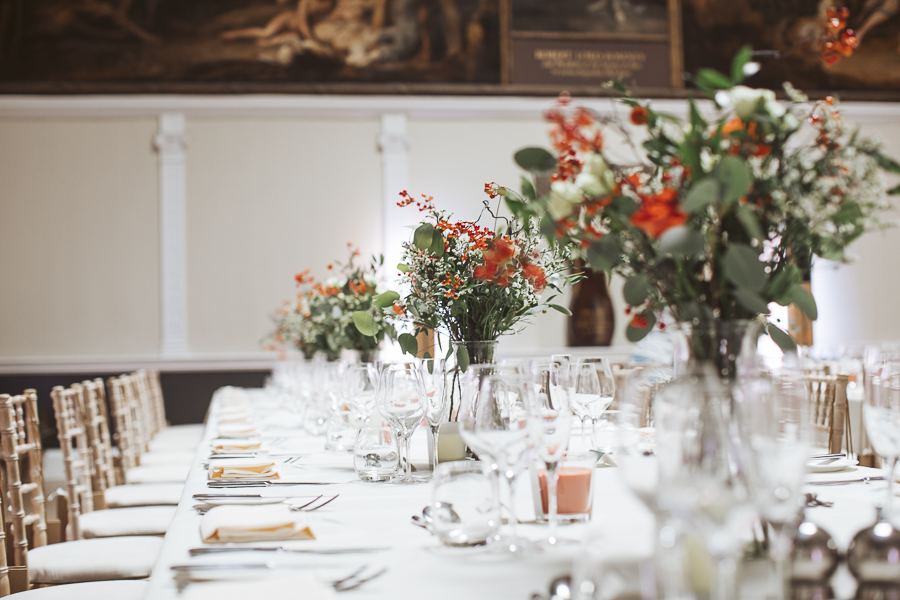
[
  {"x": 717, "y": 215},
  {"x": 320, "y": 318},
  {"x": 468, "y": 281}
]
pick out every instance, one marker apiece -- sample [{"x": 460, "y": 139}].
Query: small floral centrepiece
[
  {"x": 468, "y": 281},
  {"x": 319, "y": 320},
  {"x": 711, "y": 217}
]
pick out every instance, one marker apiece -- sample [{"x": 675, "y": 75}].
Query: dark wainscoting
[{"x": 186, "y": 393}]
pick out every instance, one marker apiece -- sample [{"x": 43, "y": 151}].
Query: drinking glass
[
  {"x": 465, "y": 510},
  {"x": 701, "y": 472},
  {"x": 340, "y": 432},
  {"x": 775, "y": 428},
  {"x": 554, "y": 419},
  {"x": 376, "y": 456},
  {"x": 437, "y": 408},
  {"x": 881, "y": 413},
  {"x": 497, "y": 419},
  {"x": 358, "y": 389},
  {"x": 593, "y": 390},
  {"x": 403, "y": 405}
]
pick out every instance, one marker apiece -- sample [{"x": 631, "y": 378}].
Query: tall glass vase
[
  {"x": 478, "y": 353},
  {"x": 726, "y": 348}
]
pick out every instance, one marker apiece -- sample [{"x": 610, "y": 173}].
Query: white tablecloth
[{"x": 419, "y": 567}]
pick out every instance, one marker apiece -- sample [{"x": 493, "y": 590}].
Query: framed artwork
[
  {"x": 788, "y": 33},
  {"x": 589, "y": 42},
  {"x": 245, "y": 45}
]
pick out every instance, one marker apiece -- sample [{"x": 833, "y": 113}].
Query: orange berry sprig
[{"x": 837, "y": 40}]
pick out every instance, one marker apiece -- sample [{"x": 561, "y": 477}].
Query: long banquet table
[{"x": 378, "y": 515}]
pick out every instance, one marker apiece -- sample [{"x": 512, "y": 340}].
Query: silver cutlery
[
  {"x": 865, "y": 480},
  {"x": 314, "y": 504},
  {"x": 357, "y": 579},
  {"x": 836, "y": 455},
  {"x": 350, "y": 582},
  {"x": 239, "y": 483},
  {"x": 231, "y": 549}
]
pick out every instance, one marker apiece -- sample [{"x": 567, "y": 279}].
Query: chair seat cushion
[
  {"x": 167, "y": 457},
  {"x": 94, "y": 560},
  {"x": 144, "y": 494},
  {"x": 178, "y": 437},
  {"x": 136, "y": 520},
  {"x": 158, "y": 474},
  {"x": 95, "y": 590}
]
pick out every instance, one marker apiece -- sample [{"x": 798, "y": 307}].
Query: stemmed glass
[
  {"x": 437, "y": 408},
  {"x": 774, "y": 420},
  {"x": 358, "y": 388},
  {"x": 554, "y": 419},
  {"x": 593, "y": 390},
  {"x": 497, "y": 420},
  {"x": 403, "y": 405},
  {"x": 881, "y": 413},
  {"x": 701, "y": 474}
]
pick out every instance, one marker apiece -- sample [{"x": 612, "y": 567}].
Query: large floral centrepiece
[{"x": 710, "y": 217}]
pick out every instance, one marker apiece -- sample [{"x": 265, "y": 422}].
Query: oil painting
[{"x": 239, "y": 43}]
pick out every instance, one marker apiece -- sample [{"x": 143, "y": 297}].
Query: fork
[
  {"x": 355, "y": 580},
  {"x": 307, "y": 508}
]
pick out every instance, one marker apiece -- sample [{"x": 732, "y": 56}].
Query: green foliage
[{"x": 536, "y": 160}]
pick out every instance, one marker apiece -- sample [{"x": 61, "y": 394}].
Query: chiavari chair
[
  {"x": 829, "y": 410},
  {"x": 168, "y": 437},
  {"x": 83, "y": 521},
  {"x": 105, "y": 480},
  {"x": 73, "y": 562},
  {"x": 130, "y": 435}
]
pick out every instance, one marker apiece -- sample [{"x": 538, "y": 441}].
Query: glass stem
[
  {"x": 513, "y": 520},
  {"x": 584, "y": 420},
  {"x": 552, "y": 500},
  {"x": 889, "y": 501},
  {"x": 407, "y": 472},
  {"x": 434, "y": 447},
  {"x": 780, "y": 551},
  {"x": 725, "y": 579}
]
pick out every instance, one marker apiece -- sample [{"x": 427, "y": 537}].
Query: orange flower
[
  {"x": 535, "y": 275},
  {"x": 640, "y": 115},
  {"x": 659, "y": 213},
  {"x": 639, "y": 322},
  {"x": 399, "y": 310},
  {"x": 733, "y": 125}
]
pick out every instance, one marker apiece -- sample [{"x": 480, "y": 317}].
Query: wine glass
[
  {"x": 881, "y": 413},
  {"x": 498, "y": 420},
  {"x": 437, "y": 408},
  {"x": 358, "y": 389},
  {"x": 403, "y": 405},
  {"x": 775, "y": 422},
  {"x": 554, "y": 419},
  {"x": 593, "y": 391},
  {"x": 701, "y": 471}
]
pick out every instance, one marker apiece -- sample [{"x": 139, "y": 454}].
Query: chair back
[
  {"x": 829, "y": 410},
  {"x": 97, "y": 427},
  {"x": 158, "y": 401},
  {"x": 68, "y": 404},
  {"x": 126, "y": 436}
]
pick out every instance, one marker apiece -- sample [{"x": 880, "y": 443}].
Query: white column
[
  {"x": 170, "y": 143},
  {"x": 394, "y": 145}
]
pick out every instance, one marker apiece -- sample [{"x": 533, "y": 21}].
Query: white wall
[{"x": 275, "y": 185}]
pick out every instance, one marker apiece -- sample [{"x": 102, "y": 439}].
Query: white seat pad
[
  {"x": 94, "y": 560},
  {"x": 143, "y": 494},
  {"x": 137, "y": 520},
  {"x": 95, "y": 590},
  {"x": 167, "y": 457},
  {"x": 158, "y": 474},
  {"x": 178, "y": 437}
]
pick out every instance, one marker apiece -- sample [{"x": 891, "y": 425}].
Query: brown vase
[{"x": 592, "y": 322}]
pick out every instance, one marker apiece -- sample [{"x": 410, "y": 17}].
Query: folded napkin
[
  {"x": 239, "y": 430},
  {"x": 232, "y": 445},
  {"x": 276, "y": 585},
  {"x": 269, "y": 523},
  {"x": 235, "y": 416},
  {"x": 243, "y": 468}
]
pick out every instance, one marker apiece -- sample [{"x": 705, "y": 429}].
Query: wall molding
[
  {"x": 335, "y": 106},
  {"x": 64, "y": 365},
  {"x": 170, "y": 144}
]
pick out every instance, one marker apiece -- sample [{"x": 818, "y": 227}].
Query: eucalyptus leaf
[
  {"x": 750, "y": 222},
  {"x": 408, "y": 344},
  {"x": 365, "y": 322},
  {"x": 386, "y": 299},
  {"x": 637, "y": 289},
  {"x": 702, "y": 194},
  {"x": 743, "y": 268},
  {"x": 403, "y": 268},
  {"x": 528, "y": 190},
  {"x": 561, "y": 309},
  {"x": 636, "y": 334},
  {"x": 462, "y": 357},
  {"x": 712, "y": 79},
  {"x": 751, "y": 301},
  {"x": 735, "y": 177},
  {"x": 742, "y": 57},
  {"x": 536, "y": 160},
  {"x": 781, "y": 338},
  {"x": 682, "y": 239},
  {"x": 437, "y": 244},
  {"x": 424, "y": 236},
  {"x": 800, "y": 296}
]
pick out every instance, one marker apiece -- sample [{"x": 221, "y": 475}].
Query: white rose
[
  {"x": 774, "y": 108},
  {"x": 746, "y": 100},
  {"x": 592, "y": 186},
  {"x": 563, "y": 197}
]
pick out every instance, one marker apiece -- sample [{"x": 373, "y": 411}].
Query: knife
[
  {"x": 865, "y": 480},
  {"x": 203, "y": 551}
]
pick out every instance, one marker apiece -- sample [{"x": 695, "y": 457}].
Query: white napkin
[
  {"x": 243, "y": 468},
  {"x": 238, "y": 430},
  {"x": 233, "y": 445},
  {"x": 269, "y": 523},
  {"x": 244, "y": 416}
]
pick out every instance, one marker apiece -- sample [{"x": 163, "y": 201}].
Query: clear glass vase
[
  {"x": 725, "y": 347},
  {"x": 479, "y": 353}
]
